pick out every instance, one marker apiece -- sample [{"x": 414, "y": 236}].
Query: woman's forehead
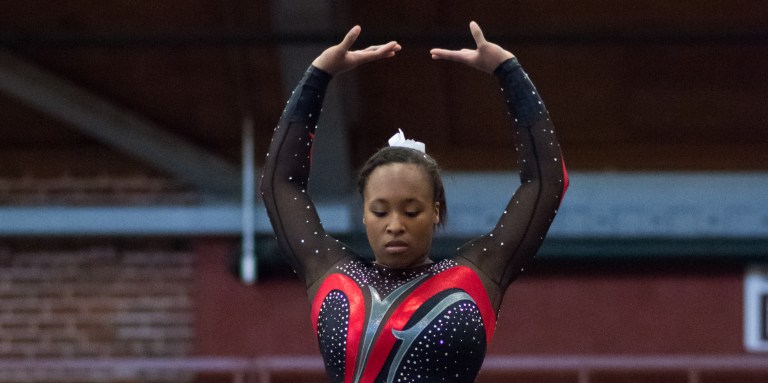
[{"x": 398, "y": 181}]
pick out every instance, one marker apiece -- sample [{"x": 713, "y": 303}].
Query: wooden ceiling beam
[{"x": 117, "y": 127}]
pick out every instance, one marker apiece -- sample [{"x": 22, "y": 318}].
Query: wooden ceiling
[{"x": 645, "y": 85}]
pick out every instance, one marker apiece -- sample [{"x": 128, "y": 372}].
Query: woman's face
[{"x": 399, "y": 214}]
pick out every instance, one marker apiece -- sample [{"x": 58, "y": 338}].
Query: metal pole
[
  {"x": 693, "y": 376},
  {"x": 583, "y": 375},
  {"x": 248, "y": 264}
]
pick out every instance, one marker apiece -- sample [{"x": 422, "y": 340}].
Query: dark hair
[{"x": 398, "y": 154}]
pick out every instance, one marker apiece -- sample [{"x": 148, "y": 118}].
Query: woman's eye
[
  {"x": 412, "y": 214},
  {"x": 379, "y": 213}
]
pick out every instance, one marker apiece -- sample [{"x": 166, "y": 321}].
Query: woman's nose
[{"x": 395, "y": 225}]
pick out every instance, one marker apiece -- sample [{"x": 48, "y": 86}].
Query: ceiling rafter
[{"x": 117, "y": 127}]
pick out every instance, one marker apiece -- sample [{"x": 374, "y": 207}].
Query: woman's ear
[{"x": 437, "y": 213}]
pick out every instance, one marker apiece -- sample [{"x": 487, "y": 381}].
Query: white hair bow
[{"x": 399, "y": 140}]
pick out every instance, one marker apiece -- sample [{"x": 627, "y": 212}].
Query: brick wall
[
  {"x": 105, "y": 189},
  {"x": 92, "y": 301}
]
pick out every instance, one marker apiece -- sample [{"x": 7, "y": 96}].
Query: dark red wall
[
  {"x": 271, "y": 317},
  {"x": 693, "y": 311},
  {"x": 555, "y": 309}
]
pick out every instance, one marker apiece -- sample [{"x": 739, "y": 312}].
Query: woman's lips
[{"x": 395, "y": 247}]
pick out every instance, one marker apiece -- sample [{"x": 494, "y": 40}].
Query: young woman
[{"x": 403, "y": 317}]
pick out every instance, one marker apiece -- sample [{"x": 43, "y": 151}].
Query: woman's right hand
[{"x": 339, "y": 59}]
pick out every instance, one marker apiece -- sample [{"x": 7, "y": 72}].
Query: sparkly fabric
[
  {"x": 402, "y": 323},
  {"x": 428, "y": 324}
]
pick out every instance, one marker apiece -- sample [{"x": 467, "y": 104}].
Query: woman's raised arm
[
  {"x": 514, "y": 241},
  {"x": 294, "y": 219}
]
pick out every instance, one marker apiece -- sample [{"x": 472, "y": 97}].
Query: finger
[
  {"x": 377, "y": 52},
  {"x": 439, "y": 53},
  {"x": 445, "y": 54},
  {"x": 350, "y": 38},
  {"x": 392, "y": 45},
  {"x": 371, "y": 48},
  {"x": 477, "y": 33},
  {"x": 392, "y": 48},
  {"x": 388, "y": 50}
]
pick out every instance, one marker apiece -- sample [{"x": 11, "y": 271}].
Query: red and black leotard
[{"x": 427, "y": 324}]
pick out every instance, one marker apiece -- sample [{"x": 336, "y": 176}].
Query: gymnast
[{"x": 404, "y": 317}]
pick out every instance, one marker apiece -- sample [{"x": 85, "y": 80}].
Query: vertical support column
[
  {"x": 583, "y": 375},
  {"x": 331, "y": 147},
  {"x": 248, "y": 263},
  {"x": 693, "y": 376}
]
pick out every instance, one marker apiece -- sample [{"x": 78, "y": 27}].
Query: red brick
[{"x": 75, "y": 303}]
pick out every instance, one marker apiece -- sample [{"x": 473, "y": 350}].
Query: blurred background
[{"x": 132, "y": 133}]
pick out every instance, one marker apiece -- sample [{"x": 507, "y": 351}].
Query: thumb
[
  {"x": 350, "y": 38},
  {"x": 477, "y": 33}
]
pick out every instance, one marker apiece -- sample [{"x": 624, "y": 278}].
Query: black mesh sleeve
[
  {"x": 297, "y": 226},
  {"x": 503, "y": 253}
]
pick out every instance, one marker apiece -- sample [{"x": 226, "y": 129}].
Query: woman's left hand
[
  {"x": 487, "y": 57},
  {"x": 339, "y": 59}
]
